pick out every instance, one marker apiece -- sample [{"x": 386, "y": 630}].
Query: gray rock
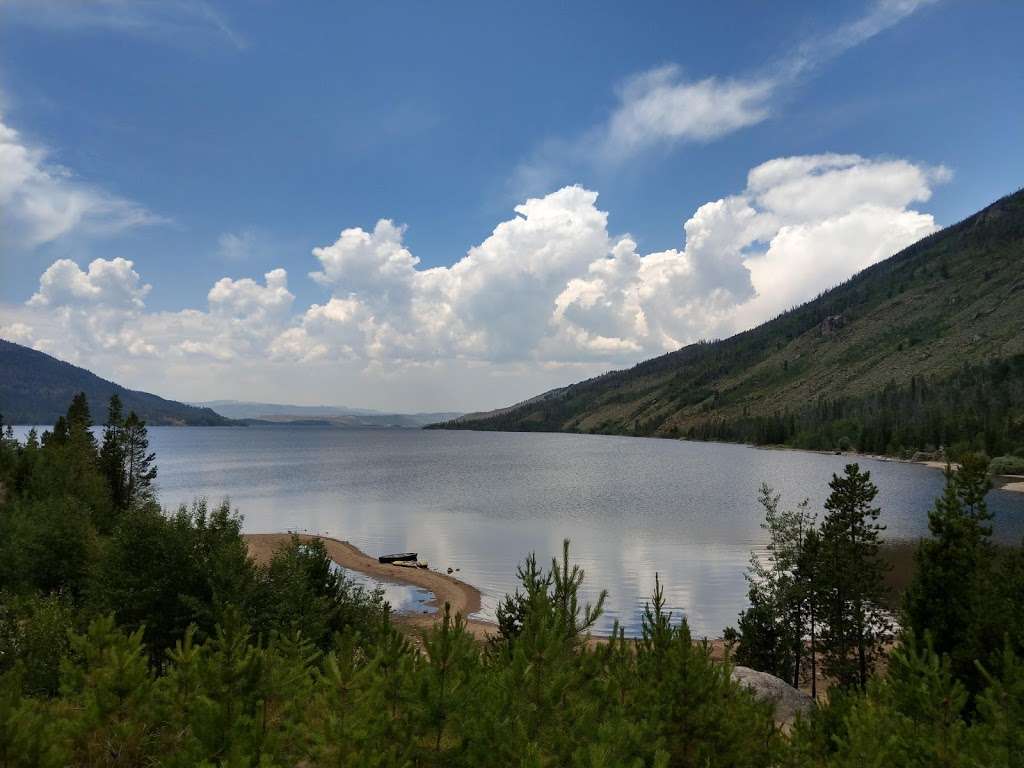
[{"x": 786, "y": 699}]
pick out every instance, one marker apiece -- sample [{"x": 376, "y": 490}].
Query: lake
[{"x": 480, "y": 501}]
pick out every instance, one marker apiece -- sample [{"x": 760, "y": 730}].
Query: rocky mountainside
[{"x": 924, "y": 348}]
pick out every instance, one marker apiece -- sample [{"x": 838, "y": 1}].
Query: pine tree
[
  {"x": 112, "y": 455},
  {"x": 851, "y": 587},
  {"x": 952, "y": 570},
  {"x": 445, "y": 691},
  {"x": 58, "y": 435},
  {"x": 911, "y": 717},
  {"x": 140, "y": 472},
  {"x": 79, "y": 424}
]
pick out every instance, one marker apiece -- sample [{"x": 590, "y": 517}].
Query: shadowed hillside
[{"x": 35, "y": 388}]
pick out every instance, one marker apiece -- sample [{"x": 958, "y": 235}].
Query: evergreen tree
[
  {"x": 8, "y": 455},
  {"x": 953, "y": 570},
  {"x": 139, "y": 469},
  {"x": 446, "y": 680},
  {"x": 851, "y": 587},
  {"x": 911, "y": 717},
  {"x": 79, "y": 419},
  {"x": 59, "y": 434},
  {"x": 549, "y": 602},
  {"x": 112, "y": 455}
]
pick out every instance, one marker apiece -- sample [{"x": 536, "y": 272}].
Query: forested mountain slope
[
  {"x": 922, "y": 350},
  {"x": 36, "y": 388}
]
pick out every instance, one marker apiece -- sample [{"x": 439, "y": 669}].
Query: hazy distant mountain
[
  {"x": 894, "y": 356},
  {"x": 244, "y": 409},
  {"x": 328, "y": 415},
  {"x": 36, "y": 388}
]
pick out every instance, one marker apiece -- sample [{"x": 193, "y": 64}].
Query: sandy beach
[
  {"x": 1013, "y": 483},
  {"x": 462, "y": 597}
]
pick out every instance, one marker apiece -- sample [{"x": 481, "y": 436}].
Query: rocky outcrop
[
  {"x": 787, "y": 700},
  {"x": 831, "y": 324}
]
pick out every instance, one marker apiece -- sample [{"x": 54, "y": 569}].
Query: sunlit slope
[{"x": 954, "y": 298}]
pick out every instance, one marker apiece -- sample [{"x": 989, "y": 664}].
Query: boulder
[{"x": 787, "y": 700}]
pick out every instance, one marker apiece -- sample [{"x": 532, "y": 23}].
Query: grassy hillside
[
  {"x": 36, "y": 388},
  {"x": 898, "y": 357}
]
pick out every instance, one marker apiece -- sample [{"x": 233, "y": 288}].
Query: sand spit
[{"x": 462, "y": 597}]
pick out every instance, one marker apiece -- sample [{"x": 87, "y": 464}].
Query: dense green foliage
[
  {"x": 978, "y": 408},
  {"x": 917, "y": 352},
  {"x": 966, "y": 596},
  {"x": 152, "y": 639},
  {"x": 953, "y": 690},
  {"x": 35, "y": 388},
  {"x": 1008, "y": 465}
]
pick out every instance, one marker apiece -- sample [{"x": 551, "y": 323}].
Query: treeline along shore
[{"x": 134, "y": 635}]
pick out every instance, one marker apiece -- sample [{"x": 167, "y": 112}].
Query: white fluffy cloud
[
  {"x": 40, "y": 201},
  {"x": 549, "y": 287},
  {"x": 78, "y": 313},
  {"x": 554, "y": 286},
  {"x": 247, "y": 299},
  {"x": 112, "y": 284}
]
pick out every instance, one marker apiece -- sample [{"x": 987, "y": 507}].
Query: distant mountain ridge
[
  {"x": 36, "y": 388},
  {"x": 245, "y": 409},
  {"x": 323, "y": 415},
  {"x": 918, "y": 329}
]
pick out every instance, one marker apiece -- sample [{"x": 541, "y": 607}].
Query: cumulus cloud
[
  {"x": 40, "y": 201},
  {"x": 552, "y": 285},
  {"x": 78, "y": 313},
  {"x": 113, "y": 284},
  {"x": 247, "y": 299},
  {"x": 549, "y": 287}
]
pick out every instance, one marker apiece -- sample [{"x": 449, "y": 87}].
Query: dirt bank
[{"x": 462, "y": 597}]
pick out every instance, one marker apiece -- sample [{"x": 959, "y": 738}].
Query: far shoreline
[{"x": 1011, "y": 483}]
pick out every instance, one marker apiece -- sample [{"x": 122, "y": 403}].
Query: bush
[
  {"x": 301, "y": 590},
  {"x": 1007, "y": 465},
  {"x": 165, "y": 572},
  {"x": 33, "y": 640}
]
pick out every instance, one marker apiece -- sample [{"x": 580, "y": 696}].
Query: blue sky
[{"x": 210, "y": 140}]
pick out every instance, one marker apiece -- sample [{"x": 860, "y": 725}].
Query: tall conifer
[
  {"x": 140, "y": 470},
  {"x": 851, "y": 586}
]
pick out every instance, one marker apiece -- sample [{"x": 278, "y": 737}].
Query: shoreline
[
  {"x": 1011, "y": 483},
  {"x": 464, "y": 599}
]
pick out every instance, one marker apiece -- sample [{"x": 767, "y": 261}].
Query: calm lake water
[{"x": 480, "y": 501}]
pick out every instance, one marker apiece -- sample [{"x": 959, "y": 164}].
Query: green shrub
[{"x": 1007, "y": 465}]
